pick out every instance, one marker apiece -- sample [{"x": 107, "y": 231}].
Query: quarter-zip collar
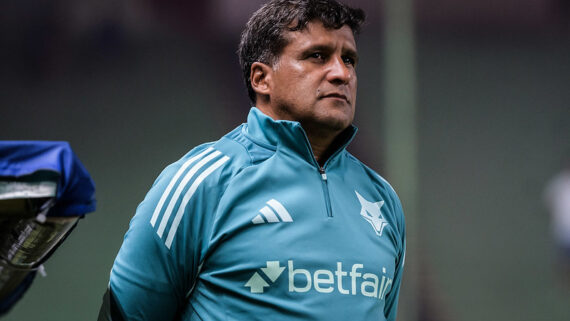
[{"x": 263, "y": 130}]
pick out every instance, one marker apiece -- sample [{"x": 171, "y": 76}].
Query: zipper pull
[{"x": 323, "y": 174}]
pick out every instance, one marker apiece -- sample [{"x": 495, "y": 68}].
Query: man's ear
[{"x": 260, "y": 78}]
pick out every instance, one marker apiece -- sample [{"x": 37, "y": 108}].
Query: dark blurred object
[{"x": 44, "y": 191}]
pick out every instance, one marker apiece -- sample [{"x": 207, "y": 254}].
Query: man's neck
[
  {"x": 322, "y": 141},
  {"x": 322, "y": 145}
]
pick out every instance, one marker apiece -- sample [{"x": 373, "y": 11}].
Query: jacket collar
[{"x": 274, "y": 134}]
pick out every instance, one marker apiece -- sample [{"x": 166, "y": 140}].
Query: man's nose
[{"x": 339, "y": 72}]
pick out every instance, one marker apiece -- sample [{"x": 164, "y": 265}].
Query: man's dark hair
[{"x": 264, "y": 35}]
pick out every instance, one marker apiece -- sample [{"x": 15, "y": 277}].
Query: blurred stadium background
[{"x": 134, "y": 84}]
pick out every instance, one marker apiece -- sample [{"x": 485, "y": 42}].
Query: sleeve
[
  {"x": 158, "y": 261},
  {"x": 391, "y": 304}
]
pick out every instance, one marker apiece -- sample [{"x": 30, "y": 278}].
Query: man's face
[{"x": 314, "y": 80}]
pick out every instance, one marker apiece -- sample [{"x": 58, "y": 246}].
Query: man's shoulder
[
  {"x": 231, "y": 153},
  {"x": 195, "y": 182}
]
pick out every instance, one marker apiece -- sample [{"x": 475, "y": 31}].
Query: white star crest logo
[{"x": 371, "y": 212}]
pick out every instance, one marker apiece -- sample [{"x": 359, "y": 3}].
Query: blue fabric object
[{"x": 75, "y": 188}]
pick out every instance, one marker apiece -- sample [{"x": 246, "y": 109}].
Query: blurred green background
[{"x": 134, "y": 85}]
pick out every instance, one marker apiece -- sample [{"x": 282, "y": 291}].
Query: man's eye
[
  {"x": 317, "y": 55},
  {"x": 349, "y": 60}
]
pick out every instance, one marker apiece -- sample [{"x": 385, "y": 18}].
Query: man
[{"x": 276, "y": 220}]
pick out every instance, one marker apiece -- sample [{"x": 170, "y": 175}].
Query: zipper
[
  {"x": 326, "y": 191},
  {"x": 322, "y": 171}
]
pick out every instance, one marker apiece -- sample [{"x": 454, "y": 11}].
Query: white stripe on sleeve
[
  {"x": 179, "y": 190},
  {"x": 172, "y": 182},
  {"x": 188, "y": 196}
]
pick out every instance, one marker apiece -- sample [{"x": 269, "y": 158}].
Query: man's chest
[{"x": 295, "y": 236}]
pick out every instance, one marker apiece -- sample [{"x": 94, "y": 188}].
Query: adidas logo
[{"x": 272, "y": 213}]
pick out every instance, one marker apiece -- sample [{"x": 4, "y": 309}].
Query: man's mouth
[{"x": 336, "y": 96}]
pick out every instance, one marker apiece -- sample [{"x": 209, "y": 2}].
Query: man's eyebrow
[
  {"x": 350, "y": 52},
  {"x": 317, "y": 47},
  {"x": 327, "y": 49}
]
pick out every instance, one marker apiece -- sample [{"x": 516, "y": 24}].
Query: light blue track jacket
[{"x": 251, "y": 228}]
